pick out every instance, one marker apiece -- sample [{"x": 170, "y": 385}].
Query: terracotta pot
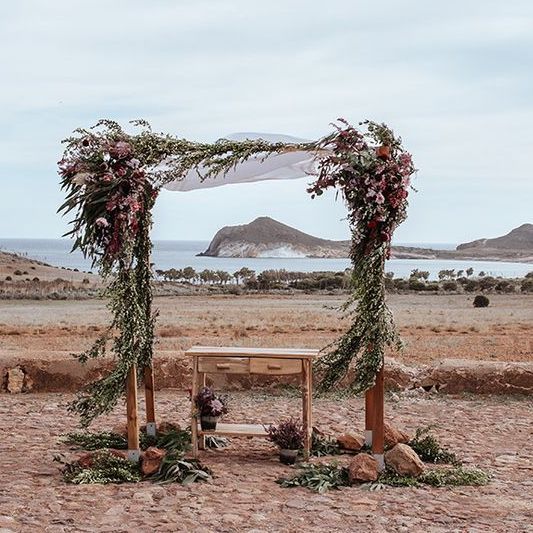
[
  {"x": 288, "y": 457},
  {"x": 383, "y": 152},
  {"x": 208, "y": 423}
]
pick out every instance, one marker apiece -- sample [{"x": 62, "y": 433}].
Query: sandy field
[
  {"x": 433, "y": 326},
  {"x": 492, "y": 432}
]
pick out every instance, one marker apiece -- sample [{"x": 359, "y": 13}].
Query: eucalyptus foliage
[
  {"x": 428, "y": 448},
  {"x": 322, "y": 477},
  {"x": 105, "y": 468}
]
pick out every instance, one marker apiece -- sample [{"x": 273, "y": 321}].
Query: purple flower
[{"x": 120, "y": 150}]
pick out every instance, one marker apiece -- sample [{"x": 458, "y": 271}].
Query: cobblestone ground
[{"x": 494, "y": 433}]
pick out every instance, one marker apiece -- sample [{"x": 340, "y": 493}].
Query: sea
[{"x": 179, "y": 254}]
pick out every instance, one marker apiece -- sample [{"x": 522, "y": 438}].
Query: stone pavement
[{"x": 494, "y": 433}]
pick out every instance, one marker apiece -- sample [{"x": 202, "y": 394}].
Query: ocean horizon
[{"x": 179, "y": 254}]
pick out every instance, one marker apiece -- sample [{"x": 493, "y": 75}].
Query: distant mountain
[
  {"x": 266, "y": 237},
  {"x": 520, "y": 238}
]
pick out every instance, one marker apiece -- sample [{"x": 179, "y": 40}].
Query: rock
[
  {"x": 350, "y": 442},
  {"x": 399, "y": 376},
  {"x": 151, "y": 460},
  {"x": 165, "y": 427},
  {"x": 86, "y": 460},
  {"x": 404, "y": 460},
  {"x": 362, "y": 468},
  {"x": 480, "y": 377},
  {"x": 15, "y": 378},
  {"x": 393, "y": 436}
]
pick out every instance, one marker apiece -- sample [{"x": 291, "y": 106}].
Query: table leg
[
  {"x": 310, "y": 402},
  {"x": 201, "y": 440},
  {"x": 194, "y": 421},
  {"x": 306, "y": 407}
]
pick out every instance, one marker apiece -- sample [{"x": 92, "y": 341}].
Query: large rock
[
  {"x": 165, "y": 426},
  {"x": 485, "y": 377},
  {"x": 350, "y": 442},
  {"x": 362, "y": 468},
  {"x": 151, "y": 460},
  {"x": 393, "y": 436},
  {"x": 398, "y": 376},
  {"x": 17, "y": 381},
  {"x": 404, "y": 461}
]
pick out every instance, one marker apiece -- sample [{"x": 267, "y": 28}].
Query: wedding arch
[{"x": 112, "y": 179}]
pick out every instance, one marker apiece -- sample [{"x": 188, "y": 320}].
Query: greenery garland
[
  {"x": 373, "y": 172},
  {"x": 112, "y": 179},
  {"x": 320, "y": 477}
]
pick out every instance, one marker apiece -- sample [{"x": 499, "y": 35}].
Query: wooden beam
[
  {"x": 149, "y": 399},
  {"x": 133, "y": 419},
  {"x": 378, "y": 431}
]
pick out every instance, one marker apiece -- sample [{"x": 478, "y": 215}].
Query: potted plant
[
  {"x": 288, "y": 435},
  {"x": 210, "y": 407}
]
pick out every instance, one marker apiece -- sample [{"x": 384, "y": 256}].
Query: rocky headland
[{"x": 266, "y": 237}]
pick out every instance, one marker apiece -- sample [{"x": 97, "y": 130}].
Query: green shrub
[
  {"x": 481, "y": 301},
  {"x": 487, "y": 283},
  {"x": 471, "y": 285},
  {"x": 416, "y": 285},
  {"x": 526, "y": 285},
  {"x": 504, "y": 286},
  {"x": 450, "y": 285}
]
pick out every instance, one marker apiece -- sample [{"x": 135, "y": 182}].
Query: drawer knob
[
  {"x": 222, "y": 366},
  {"x": 273, "y": 367}
]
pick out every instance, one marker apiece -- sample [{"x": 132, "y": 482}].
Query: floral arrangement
[
  {"x": 115, "y": 192},
  {"x": 209, "y": 404},
  {"x": 287, "y": 435},
  {"x": 373, "y": 173}
]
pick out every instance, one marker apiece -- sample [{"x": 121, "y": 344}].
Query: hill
[
  {"x": 266, "y": 237},
  {"x": 520, "y": 238}
]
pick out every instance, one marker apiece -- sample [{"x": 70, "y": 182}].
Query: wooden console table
[{"x": 240, "y": 360}]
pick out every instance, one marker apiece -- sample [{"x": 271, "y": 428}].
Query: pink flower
[
  {"x": 380, "y": 198},
  {"x": 102, "y": 222},
  {"x": 120, "y": 150}
]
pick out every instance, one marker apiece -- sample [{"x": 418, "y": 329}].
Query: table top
[{"x": 245, "y": 351}]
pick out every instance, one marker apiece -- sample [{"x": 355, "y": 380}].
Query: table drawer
[
  {"x": 275, "y": 366},
  {"x": 224, "y": 365}
]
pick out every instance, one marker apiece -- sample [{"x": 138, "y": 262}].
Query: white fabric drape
[{"x": 291, "y": 165}]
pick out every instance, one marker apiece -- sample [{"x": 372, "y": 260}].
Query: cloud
[{"x": 454, "y": 79}]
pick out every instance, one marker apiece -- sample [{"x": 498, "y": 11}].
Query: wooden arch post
[
  {"x": 132, "y": 416},
  {"x": 149, "y": 395},
  {"x": 375, "y": 418},
  {"x": 149, "y": 399}
]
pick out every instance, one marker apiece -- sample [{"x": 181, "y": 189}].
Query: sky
[{"x": 454, "y": 79}]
